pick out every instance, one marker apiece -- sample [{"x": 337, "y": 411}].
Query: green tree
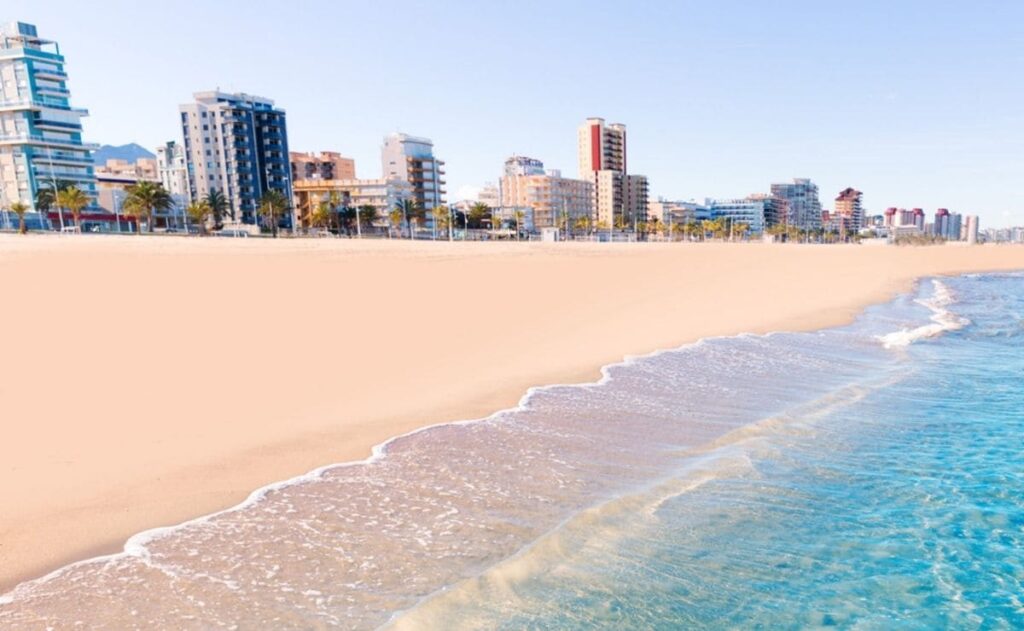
[
  {"x": 273, "y": 205},
  {"x": 584, "y": 224},
  {"x": 322, "y": 216},
  {"x": 147, "y": 197},
  {"x": 411, "y": 211},
  {"x": 519, "y": 216},
  {"x": 75, "y": 201},
  {"x": 478, "y": 212},
  {"x": 395, "y": 222},
  {"x": 442, "y": 219},
  {"x": 219, "y": 208},
  {"x": 20, "y": 209},
  {"x": 199, "y": 212},
  {"x": 367, "y": 215}
]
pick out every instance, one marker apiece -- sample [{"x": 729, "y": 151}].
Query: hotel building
[
  {"x": 601, "y": 151},
  {"x": 326, "y": 165},
  {"x": 411, "y": 159},
  {"x": 236, "y": 144},
  {"x": 552, "y": 198},
  {"x": 382, "y": 194},
  {"x": 802, "y": 202},
  {"x": 849, "y": 213},
  {"x": 40, "y": 132}
]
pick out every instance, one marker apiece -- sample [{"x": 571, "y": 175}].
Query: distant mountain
[{"x": 131, "y": 153}]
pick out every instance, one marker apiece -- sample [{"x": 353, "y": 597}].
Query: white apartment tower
[
  {"x": 236, "y": 144},
  {"x": 411, "y": 159},
  {"x": 172, "y": 170}
]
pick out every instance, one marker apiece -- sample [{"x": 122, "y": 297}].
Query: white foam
[{"x": 942, "y": 320}]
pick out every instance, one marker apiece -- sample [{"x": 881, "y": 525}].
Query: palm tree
[
  {"x": 622, "y": 223},
  {"x": 219, "y": 208},
  {"x": 74, "y": 200},
  {"x": 335, "y": 201},
  {"x": 148, "y": 197},
  {"x": 477, "y": 213},
  {"x": 519, "y": 216},
  {"x": 199, "y": 212},
  {"x": 583, "y": 223},
  {"x": 366, "y": 215},
  {"x": 410, "y": 209},
  {"x": 442, "y": 218},
  {"x": 395, "y": 221},
  {"x": 46, "y": 196},
  {"x": 740, "y": 230},
  {"x": 273, "y": 205},
  {"x": 322, "y": 216},
  {"x": 20, "y": 209}
]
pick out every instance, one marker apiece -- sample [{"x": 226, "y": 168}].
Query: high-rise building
[
  {"x": 326, "y": 165},
  {"x": 602, "y": 160},
  {"x": 411, "y": 159},
  {"x": 802, "y": 202},
  {"x": 601, "y": 147},
  {"x": 552, "y": 198},
  {"x": 236, "y": 144},
  {"x": 971, "y": 228},
  {"x": 848, "y": 211},
  {"x": 919, "y": 219},
  {"x": 172, "y": 171},
  {"x": 40, "y": 132}
]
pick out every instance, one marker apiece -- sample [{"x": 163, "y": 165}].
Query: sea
[{"x": 869, "y": 476}]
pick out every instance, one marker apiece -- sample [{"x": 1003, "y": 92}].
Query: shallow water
[{"x": 865, "y": 476}]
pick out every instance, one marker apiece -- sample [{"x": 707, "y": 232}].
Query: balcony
[
  {"x": 55, "y": 75},
  {"x": 36, "y": 140}
]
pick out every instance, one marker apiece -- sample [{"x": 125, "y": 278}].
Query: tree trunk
[{"x": 21, "y": 225}]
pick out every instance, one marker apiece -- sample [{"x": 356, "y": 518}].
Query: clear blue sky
[{"x": 916, "y": 103}]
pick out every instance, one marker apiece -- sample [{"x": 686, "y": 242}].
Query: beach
[{"x": 147, "y": 381}]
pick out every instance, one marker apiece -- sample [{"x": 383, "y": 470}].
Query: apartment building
[
  {"x": 552, "y": 198},
  {"x": 325, "y": 165},
  {"x": 236, "y": 144},
  {"x": 40, "y": 131},
  {"x": 803, "y": 206},
  {"x": 411, "y": 159}
]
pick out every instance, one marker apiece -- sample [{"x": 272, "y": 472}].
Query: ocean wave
[{"x": 942, "y": 319}]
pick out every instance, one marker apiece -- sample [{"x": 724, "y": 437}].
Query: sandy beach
[{"x": 146, "y": 381}]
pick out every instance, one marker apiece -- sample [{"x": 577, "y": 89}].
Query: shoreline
[{"x": 352, "y": 441}]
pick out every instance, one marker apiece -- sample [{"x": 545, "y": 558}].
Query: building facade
[
  {"x": 552, "y": 198},
  {"x": 522, "y": 165},
  {"x": 326, "y": 165},
  {"x": 802, "y": 202},
  {"x": 172, "y": 171},
  {"x": 750, "y": 211},
  {"x": 601, "y": 153},
  {"x": 236, "y": 144},
  {"x": 849, "y": 212},
  {"x": 411, "y": 159},
  {"x": 381, "y": 194},
  {"x": 40, "y": 132}
]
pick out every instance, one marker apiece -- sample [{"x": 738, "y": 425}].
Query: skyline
[{"x": 718, "y": 102}]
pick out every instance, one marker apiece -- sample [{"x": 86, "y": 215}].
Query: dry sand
[{"x": 145, "y": 381}]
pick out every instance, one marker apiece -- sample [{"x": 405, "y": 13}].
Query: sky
[{"x": 915, "y": 103}]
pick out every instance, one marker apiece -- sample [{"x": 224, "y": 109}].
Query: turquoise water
[
  {"x": 895, "y": 502},
  {"x": 865, "y": 477}
]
